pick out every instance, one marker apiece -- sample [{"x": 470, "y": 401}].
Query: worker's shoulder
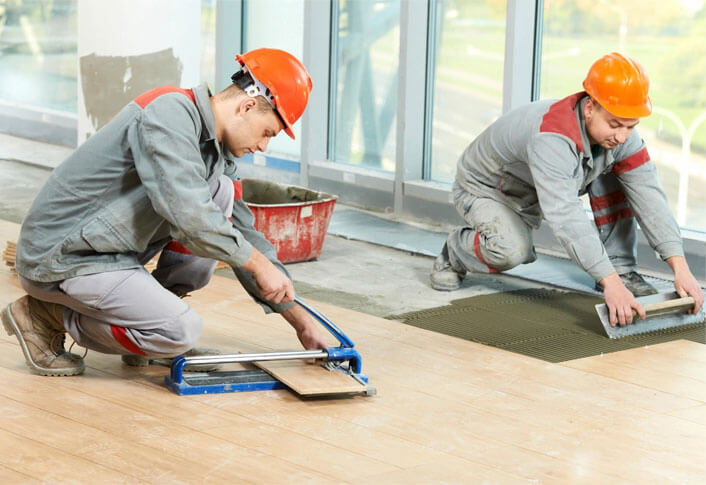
[
  {"x": 168, "y": 106},
  {"x": 559, "y": 120},
  {"x": 542, "y": 122},
  {"x": 167, "y": 103},
  {"x": 169, "y": 94}
]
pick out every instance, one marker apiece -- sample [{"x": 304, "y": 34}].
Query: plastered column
[{"x": 127, "y": 47}]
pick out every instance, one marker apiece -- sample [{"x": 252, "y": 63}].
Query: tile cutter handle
[{"x": 335, "y": 331}]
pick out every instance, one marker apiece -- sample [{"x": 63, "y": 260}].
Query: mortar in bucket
[{"x": 294, "y": 219}]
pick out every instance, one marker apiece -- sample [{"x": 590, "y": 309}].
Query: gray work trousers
[
  {"x": 498, "y": 239},
  {"x": 132, "y": 311}
]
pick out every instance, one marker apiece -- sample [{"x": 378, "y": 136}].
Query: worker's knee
[
  {"x": 178, "y": 335},
  {"x": 183, "y": 273},
  {"x": 200, "y": 271},
  {"x": 189, "y": 327},
  {"x": 474, "y": 251},
  {"x": 505, "y": 251}
]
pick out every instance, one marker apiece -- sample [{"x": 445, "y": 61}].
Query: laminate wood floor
[{"x": 447, "y": 411}]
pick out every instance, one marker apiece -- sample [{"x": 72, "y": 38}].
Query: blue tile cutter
[{"x": 344, "y": 358}]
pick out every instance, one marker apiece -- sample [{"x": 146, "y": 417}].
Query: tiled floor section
[{"x": 447, "y": 410}]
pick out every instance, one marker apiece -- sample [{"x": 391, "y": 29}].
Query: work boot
[
  {"x": 143, "y": 361},
  {"x": 39, "y": 327},
  {"x": 634, "y": 282},
  {"x": 443, "y": 276}
]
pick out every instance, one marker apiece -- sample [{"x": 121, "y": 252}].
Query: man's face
[
  {"x": 605, "y": 129},
  {"x": 249, "y": 129}
]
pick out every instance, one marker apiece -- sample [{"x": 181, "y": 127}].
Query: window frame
[{"x": 407, "y": 192}]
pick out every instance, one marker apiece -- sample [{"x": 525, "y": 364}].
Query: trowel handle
[{"x": 669, "y": 306}]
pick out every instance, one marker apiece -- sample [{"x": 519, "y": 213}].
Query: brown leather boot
[{"x": 39, "y": 327}]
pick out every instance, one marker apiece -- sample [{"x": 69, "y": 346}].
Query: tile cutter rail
[{"x": 344, "y": 358}]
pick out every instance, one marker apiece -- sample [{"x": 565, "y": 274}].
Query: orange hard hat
[
  {"x": 620, "y": 85},
  {"x": 278, "y": 76}
]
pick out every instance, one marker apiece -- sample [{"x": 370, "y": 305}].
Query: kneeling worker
[
  {"x": 535, "y": 162},
  {"x": 156, "y": 178}
]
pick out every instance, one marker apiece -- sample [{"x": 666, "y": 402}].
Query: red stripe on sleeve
[
  {"x": 632, "y": 162},
  {"x": 608, "y": 200},
  {"x": 120, "y": 335},
  {"x": 615, "y": 216}
]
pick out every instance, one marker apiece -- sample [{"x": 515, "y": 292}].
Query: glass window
[
  {"x": 365, "y": 70},
  {"x": 469, "y": 50},
  {"x": 666, "y": 37},
  {"x": 283, "y": 30},
  {"x": 38, "y": 54}
]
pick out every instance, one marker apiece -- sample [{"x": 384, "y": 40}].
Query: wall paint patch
[{"x": 109, "y": 83}]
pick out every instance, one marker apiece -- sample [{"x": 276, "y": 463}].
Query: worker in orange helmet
[
  {"x": 158, "y": 177},
  {"x": 534, "y": 163}
]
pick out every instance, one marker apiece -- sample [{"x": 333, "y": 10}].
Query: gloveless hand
[
  {"x": 273, "y": 284},
  {"x": 684, "y": 282},
  {"x": 620, "y": 301}
]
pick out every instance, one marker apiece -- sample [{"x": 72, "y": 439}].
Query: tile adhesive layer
[{"x": 551, "y": 325}]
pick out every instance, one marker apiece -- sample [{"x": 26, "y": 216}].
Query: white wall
[{"x": 110, "y": 32}]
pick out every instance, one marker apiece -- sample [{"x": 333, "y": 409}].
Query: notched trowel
[{"x": 664, "y": 310}]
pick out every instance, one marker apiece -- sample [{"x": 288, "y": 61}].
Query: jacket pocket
[{"x": 100, "y": 235}]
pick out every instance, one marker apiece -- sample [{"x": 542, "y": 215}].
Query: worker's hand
[
  {"x": 311, "y": 338},
  {"x": 274, "y": 285},
  {"x": 308, "y": 331},
  {"x": 685, "y": 283},
  {"x": 620, "y": 301}
]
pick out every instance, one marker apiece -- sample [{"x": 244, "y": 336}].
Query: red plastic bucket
[{"x": 294, "y": 219}]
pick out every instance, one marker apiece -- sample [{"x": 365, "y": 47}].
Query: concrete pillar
[{"x": 127, "y": 47}]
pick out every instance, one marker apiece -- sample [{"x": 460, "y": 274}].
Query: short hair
[
  {"x": 234, "y": 91},
  {"x": 595, "y": 103}
]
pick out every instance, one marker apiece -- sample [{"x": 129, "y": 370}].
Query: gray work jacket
[
  {"x": 139, "y": 182},
  {"x": 537, "y": 160}
]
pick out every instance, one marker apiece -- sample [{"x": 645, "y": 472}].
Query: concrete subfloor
[
  {"x": 382, "y": 281},
  {"x": 352, "y": 274}
]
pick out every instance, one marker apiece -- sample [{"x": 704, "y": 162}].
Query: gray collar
[
  {"x": 203, "y": 103},
  {"x": 582, "y": 130},
  {"x": 203, "y": 95}
]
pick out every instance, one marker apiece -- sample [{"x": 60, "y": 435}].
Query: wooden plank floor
[{"x": 447, "y": 410}]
